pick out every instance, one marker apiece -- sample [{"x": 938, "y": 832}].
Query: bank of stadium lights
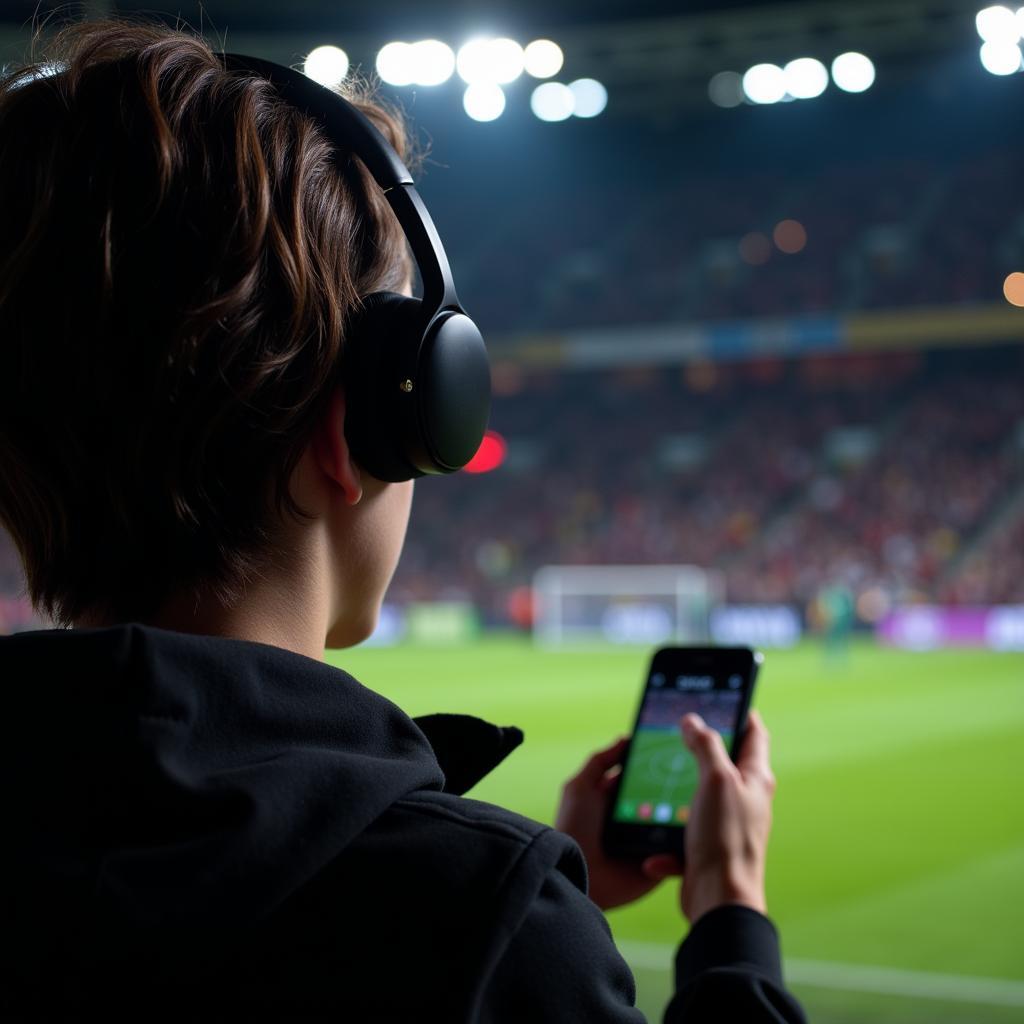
[
  {"x": 1001, "y": 30},
  {"x": 485, "y": 65},
  {"x": 801, "y": 79}
]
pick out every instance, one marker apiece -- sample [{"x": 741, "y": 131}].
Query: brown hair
[{"x": 179, "y": 252}]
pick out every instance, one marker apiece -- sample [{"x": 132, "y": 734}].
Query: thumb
[
  {"x": 600, "y": 762},
  {"x": 705, "y": 744}
]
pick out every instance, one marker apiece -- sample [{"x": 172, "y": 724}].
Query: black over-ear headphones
[{"x": 415, "y": 371}]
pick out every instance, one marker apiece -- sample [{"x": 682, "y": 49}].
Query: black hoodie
[{"x": 203, "y": 828}]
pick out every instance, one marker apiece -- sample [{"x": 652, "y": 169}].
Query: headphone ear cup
[
  {"x": 379, "y": 353},
  {"x": 454, "y": 394},
  {"x": 417, "y": 394}
]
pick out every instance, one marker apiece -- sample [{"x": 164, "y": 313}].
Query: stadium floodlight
[
  {"x": 472, "y": 61},
  {"x": 552, "y": 101},
  {"x": 507, "y": 60},
  {"x": 853, "y": 72},
  {"x": 498, "y": 61},
  {"x": 484, "y": 101},
  {"x": 998, "y": 24},
  {"x": 805, "y": 78},
  {"x": 764, "y": 83},
  {"x": 726, "y": 89},
  {"x": 327, "y": 65},
  {"x": 542, "y": 58},
  {"x": 395, "y": 64},
  {"x": 431, "y": 62},
  {"x": 1001, "y": 58},
  {"x": 590, "y": 97}
]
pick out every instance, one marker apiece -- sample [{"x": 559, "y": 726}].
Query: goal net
[{"x": 625, "y": 604}]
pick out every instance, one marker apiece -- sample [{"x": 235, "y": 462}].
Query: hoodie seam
[{"x": 506, "y": 828}]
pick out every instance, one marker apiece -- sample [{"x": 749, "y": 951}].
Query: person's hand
[
  {"x": 581, "y": 815},
  {"x": 730, "y": 818}
]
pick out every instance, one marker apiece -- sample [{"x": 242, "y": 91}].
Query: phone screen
[{"x": 660, "y": 774}]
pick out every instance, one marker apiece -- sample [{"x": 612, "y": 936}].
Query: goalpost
[{"x": 640, "y": 604}]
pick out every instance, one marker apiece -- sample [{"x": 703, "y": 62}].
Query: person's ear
[{"x": 332, "y": 451}]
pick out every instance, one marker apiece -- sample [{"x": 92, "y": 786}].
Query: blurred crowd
[
  {"x": 899, "y": 478},
  {"x": 877, "y": 233},
  {"x": 896, "y": 524}
]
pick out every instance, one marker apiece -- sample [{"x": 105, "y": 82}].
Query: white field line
[{"x": 889, "y": 981}]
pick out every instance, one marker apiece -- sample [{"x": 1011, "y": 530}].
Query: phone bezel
[{"x": 627, "y": 840}]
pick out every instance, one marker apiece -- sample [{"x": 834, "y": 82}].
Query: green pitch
[{"x": 899, "y": 821}]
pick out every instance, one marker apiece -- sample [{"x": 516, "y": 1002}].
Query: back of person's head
[{"x": 179, "y": 253}]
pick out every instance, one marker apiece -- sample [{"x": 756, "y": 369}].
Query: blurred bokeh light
[
  {"x": 327, "y": 65},
  {"x": 1013, "y": 288},
  {"x": 853, "y": 72},
  {"x": 542, "y": 58}
]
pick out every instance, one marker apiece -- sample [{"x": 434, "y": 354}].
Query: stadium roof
[{"x": 365, "y": 15}]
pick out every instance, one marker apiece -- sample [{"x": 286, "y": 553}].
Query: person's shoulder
[
  {"x": 463, "y": 814},
  {"x": 435, "y": 843},
  {"x": 479, "y": 836}
]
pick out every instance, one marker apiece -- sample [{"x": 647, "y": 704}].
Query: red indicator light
[{"x": 490, "y": 455}]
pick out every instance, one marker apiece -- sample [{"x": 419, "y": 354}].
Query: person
[
  {"x": 205, "y": 820},
  {"x": 836, "y": 609}
]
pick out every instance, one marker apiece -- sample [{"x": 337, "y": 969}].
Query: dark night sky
[{"x": 411, "y": 15}]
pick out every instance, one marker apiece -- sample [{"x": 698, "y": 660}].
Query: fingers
[
  {"x": 661, "y": 866},
  {"x": 706, "y": 745},
  {"x": 599, "y": 763},
  {"x": 754, "y": 757}
]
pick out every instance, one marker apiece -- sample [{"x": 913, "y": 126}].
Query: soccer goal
[{"x": 624, "y": 604}]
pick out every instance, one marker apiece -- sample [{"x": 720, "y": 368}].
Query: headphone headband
[{"x": 349, "y": 127}]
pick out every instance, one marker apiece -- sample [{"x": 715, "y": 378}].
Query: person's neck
[{"x": 287, "y": 609}]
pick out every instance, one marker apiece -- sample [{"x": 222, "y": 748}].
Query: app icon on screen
[
  {"x": 663, "y": 812},
  {"x": 683, "y": 815},
  {"x": 627, "y": 809},
  {"x": 643, "y": 811}
]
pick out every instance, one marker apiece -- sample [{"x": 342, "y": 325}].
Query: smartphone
[{"x": 650, "y": 804}]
